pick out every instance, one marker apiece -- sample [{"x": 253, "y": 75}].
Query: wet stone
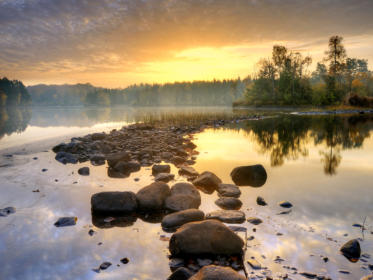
[
  {"x": 351, "y": 250},
  {"x": 260, "y": 201},
  {"x": 228, "y": 190},
  {"x": 188, "y": 170},
  {"x": 177, "y": 219},
  {"x": 229, "y": 203},
  {"x": 254, "y": 264},
  {"x": 7, "y": 211},
  {"x": 84, "y": 171},
  {"x": 114, "y": 202},
  {"x": 153, "y": 196},
  {"x": 217, "y": 272},
  {"x": 285, "y": 204},
  {"x": 227, "y": 216},
  {"x": 66, "y": 221},
  {"x": 164, "y": 177},
  {"x": 161, "y": 168},
  {"x": 181, "y": 273},
  {"x": 252, "y": 175},
  {"x": 105, "y": 265},
  {"x": 183, "y": 196},
  {"x": 254, "y": 221},
  {"x": 124, "y": 260}
]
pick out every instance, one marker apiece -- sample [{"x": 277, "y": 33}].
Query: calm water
[{"x": 323, "y": 165}]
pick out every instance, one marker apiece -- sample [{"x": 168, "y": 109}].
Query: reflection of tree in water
[
  {"x": 286, "y": 137},
  {"x": 14, "y": 119}
]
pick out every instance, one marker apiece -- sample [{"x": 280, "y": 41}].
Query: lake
[{"x": 323, "y": 165}]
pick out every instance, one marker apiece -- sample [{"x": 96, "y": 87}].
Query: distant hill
[{"x": 202, "y": 93}]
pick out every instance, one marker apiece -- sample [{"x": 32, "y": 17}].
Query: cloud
[{"x": 112, "y": 36}]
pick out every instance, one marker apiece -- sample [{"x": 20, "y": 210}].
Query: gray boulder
[
  {"x": 114, "y": 202},
  {"x": 227, "y": 216},
  {"x": 213, "y": 272},
  {"x": 153, "y": 196},
  {"x": 205, "y": 237},
  {"x": 228, "y": 190},
  {"x": 182, "y": 217},
  {"x": 252, "y": 175},
  {"x": 229, "y": 203},
  {"x": 183, "y": 196}
]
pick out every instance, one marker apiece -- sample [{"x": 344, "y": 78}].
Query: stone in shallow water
[
  {"x": 252, "y": 175},
  {"x": 164, "y": 177},
  {"x": 254, "y": 221},
  {"x": 181, "y": 273},
  {"x": 7, "y": 211},
  {"x": 285, "y": 204},
  {"x": 188, "y": 171},
  {"x": 183, "y": 196},
  {"x": 177, "y": 219},
  {"x": 65, "y": 158},
  {"x": 351, "y": 250},
  {"x": 84, "y": 171},
  {"x": 105, "y": 265},
  {"x": 205, "y": 237},
  {"x": 260, "y": 201},
  {"x": 217, "y": 273},
  {"x": 254, "y": 264},
  {"x": 228, "y": 190},
  {"x": 153, "y": 196},
  {"x": 114, "y": 202},
  {"x": 229, "y": 203},
  {"x": 161, "y": 168},
  {"x": 207, "y": 181},
  {"x": 97, "y": 159},
  {"x": 227, "y": 216},
  {"x": 66, "y": 221},
  {"x": 113, "y": 159}
]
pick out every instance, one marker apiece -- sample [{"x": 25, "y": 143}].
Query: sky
[{"x": 116, "y": 43}]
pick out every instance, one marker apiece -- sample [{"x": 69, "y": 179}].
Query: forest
[
  {"x": 13, "y": 93},
  {"x": 200, "y": 93},
  {"x": 284, "y": 79}
]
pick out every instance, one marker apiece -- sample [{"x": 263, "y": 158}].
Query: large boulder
[
  {"x": 351, "y": 250},
  {"x": 114, "y": 202},
  {"x": 213, "y": 272},
  {"x": 188, "y": 171},
  {"x": 126, "y": 167},
  {"x": 205, "y": 237},
  {"x": 113, "y": 159},
  {"x": 183, "y": 196},
  {"x": 207, "y": 182},
  {"x": 252, "y": 175},
  {"x": 228, "y": 190},
  {"x": 161, "y": 168},
  {"x": 227, "y": 216},
  {"x": 177, "y": 219},
  {"x": 153, "y": 196}
]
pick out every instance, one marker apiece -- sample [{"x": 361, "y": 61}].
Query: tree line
[
  {"x": 285, "y": 79},
  {"x": 13, "y": 93},
  {"x": 202, "y": 93}
]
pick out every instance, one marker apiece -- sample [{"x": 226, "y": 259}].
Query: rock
[
  {"x": 181, "y": 273},
  {"x": 188, "y": 171},
  {"x": 97, "y": 159},
  {"x": 65, "y": 158},
  {"x": 114, "y": 202},
  {"x": 113, "y": 159},
  {"x": 176, "y": 263},
  {"x": 227, "y": 216},
  {"x": 126, "y": 167},
  {"x": 260, "y": 201},
  {"x": 351, "y": 250},
  {"x": 66, "y": 221},
  {"x": 7, "y": 211},
  {"x": 213, "y": 272},
  {"x": 207, "y": 181},
  {"x": 308, "y": 275},
  {"x": 91, "y": 232},
  {"x": 182, "y": 217},
  {"x": 183, "y": 196},
  {"x": 205, "y": 237},
  {"x": 124, "y": 260},
  {"x": 84, "y": 171},
  {"x": 161, "y": 168},
  {"x": 44, "y": 170},
  {"x": 105, "y": 265},
  {"x": 229, "y": 203},
  {"x": 153, "y": 196},
  {"x": 204, "y": 262},
  {"x": 254, "y": 264},
  {"x": 164, "y": 177},
  {"x": 98, "y": 136},
  {"x": 252, "y": 175},
  {"x": 285, "y": 204},
  {"x": 254, "y": 221},
  {"x": 228, "y": 190},
  {"x": 103, "y": 221},
  {"x": 177, "y": 160}
]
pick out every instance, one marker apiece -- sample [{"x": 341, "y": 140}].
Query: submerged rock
[
  {"x": 351, "y": 250},
  {"x": 65, "y": 158},
  {"x": 153, "y": 196},
  {"x": 127, "y": 167},
  {"x": 182, "y": 217},
  {"x": 229, "y": 203},
  {"x": 161, "y": 168},
  {"x": 114, "y": 202},
  {"x": 205, "y": 237},
  {"x": 181, "y": 273},
  {"x": 113, "y": 159},
  {"x": 207, "y": 181},
  {"x": 213, "y": 272},
  {"x": 183, "y": 196},
  {"x": 285, "y": 204},
  {"x": 228, "y": 190},
  {"x": 254, "y": 264},
  {"x": 105, "y": 221},
  {"x": 260, "y": 201},
  {"x": 252, "y": 175},
  {"x": 84, "y": 171},
  {"x": 66, "y": 221},
  {"x": 105, "y": 265},
  {"x": 7, "y": 211},
  {"x": 254, "y": 221},
  {"x": 227, "y": 216},
  {"x": 164, "y": 177}
]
